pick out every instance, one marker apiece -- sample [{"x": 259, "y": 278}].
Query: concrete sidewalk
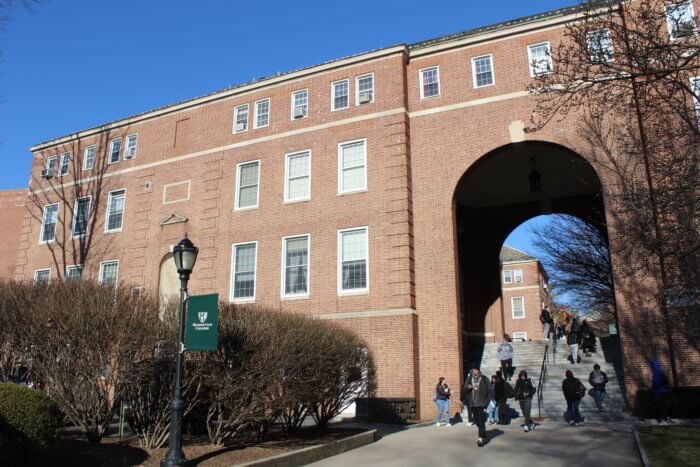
[{"x": 552, "y": 443}]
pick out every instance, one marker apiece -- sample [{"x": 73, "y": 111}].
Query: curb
[
  {"x": 315, "y": 453},
  {"x": 642, "y": 452}
]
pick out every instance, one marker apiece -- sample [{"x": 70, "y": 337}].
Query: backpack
[
  {"x": 508, "y": 390},
  {"x": 581, "y": 390},
  {"x": 598, "y": 378}
]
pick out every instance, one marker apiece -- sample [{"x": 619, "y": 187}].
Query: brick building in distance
[
  {"x": 12, "y": 212},
  {"x": 524, "y": 294},
  {"x": 375, "y": 190}
]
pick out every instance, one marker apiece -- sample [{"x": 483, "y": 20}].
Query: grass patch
[{"x": 671, "y": 446}]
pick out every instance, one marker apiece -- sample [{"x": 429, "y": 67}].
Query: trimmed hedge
[{"x": 29, "y": 413}]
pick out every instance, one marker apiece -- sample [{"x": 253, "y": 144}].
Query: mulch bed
[{"x": 72, "y": 451}]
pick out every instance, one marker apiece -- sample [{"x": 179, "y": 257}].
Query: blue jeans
[
  {"x": 443, "y": 406},
  {"x": 598, "y": 396},
  {"x": 572, "y": 412},
  {"x": 491, "y": 409}
]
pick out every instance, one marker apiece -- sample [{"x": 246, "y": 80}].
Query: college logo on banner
[{"x": 202, "y": 316}]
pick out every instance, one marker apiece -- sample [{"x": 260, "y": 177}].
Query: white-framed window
[
  {"x": 507, "y": 276},
  {"x": 518, "y": 275},
  {"x": 680, "y": 19},
  {"x": 109, "y": 273},
  {"x": 81, "y": 215},
  {"x": 353, "y": 259},
  {"x": 74, "y": 273},
  {"x": 429, "y": 82},
  {"x": 352, "y": 166},
  {"x": 115, "y": 150},
  {"x": 520, "y": 336},
  {"x": 695, "y": 87},
  {"x": 518, "y": 307},
  {"x": 240, "y": 118},
  {"x": 262, "y": 113},
  {"x": 48, "y": 224},
  {"x": 482, "y": 69},
  {"x": 89, "y": 158},
  {"x": 295, "y": 266},
  {"x": 51, "y": 163},
  {"x": 42, "y": 276},
  {"x": 297, "y": 177},
  {"x": 600, "y": 46},
  {"x": 244, "y": 259},
  {"x": 247, "y": 185},
  {"x": 65, "y": 164},
  {"x": 300, "y": 104},
  {"x": 340, "y": 94},
  {"x": 540, "y": 59},
  {"x": 115, "y": 211},
  {"x": 364, "y": 89},
  {"x": 131, "y": 143}
]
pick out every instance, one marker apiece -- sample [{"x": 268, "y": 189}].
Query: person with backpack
[
  {"x": 441, "y": 396},
  {"x": 574, "y": 391},
  {"x": 547, "y": 322},
  {"x": 659, "y": 393},
  {"x": 505, "y": 355},
  {"x": 477, "y": 392},
  {"x": 524, "y": 392},
  {"x": 587, "y": 339},
  {"x": 572, "y": 341},
  {"x": 503, "y": 391},
  {"x": 469, "y": 420},
  {"x": 598, "y": 379}
]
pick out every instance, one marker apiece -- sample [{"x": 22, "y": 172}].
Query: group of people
[
  {"x": 485, "y": 400},
  {"x": 579, "y": 335}
]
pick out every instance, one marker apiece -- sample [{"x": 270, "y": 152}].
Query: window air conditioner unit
[
  {"x": 47, "y": 174},
  {"x": 129, "y": 154},
  {"x": 299, "y": 112},
  {"x": 365, "y": 97},
  {"x": 239, "y": 127}
]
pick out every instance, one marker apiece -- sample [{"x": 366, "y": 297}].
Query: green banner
[{"x": 202, "y": 323}]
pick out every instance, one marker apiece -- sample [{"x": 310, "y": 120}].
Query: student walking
[
  {"x": 441, "y": 397},
  {"x": 505, "y": 355},
  {"x": 524, "y": 391},
  {"x": 469, "y": 421},
  {"x": 572, "y": 340},
  {"x": 659, "y": 393},
  {"x": 574, "y": 391},
  {"x": 477, "y": 391},
  {"x": 587, "y": 338},
  {"x": 502, "y": 391},
  {"x": 598, "y": 379},
  {"x": 547, "y": 322},
  {"x": 493, "y": 401}
]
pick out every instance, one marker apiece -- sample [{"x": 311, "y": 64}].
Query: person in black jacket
[
  {"x": 573, "y": 390},
  {"x": 587, "y": 339},
  {"x": 524, "y": 391},
  {"x": 572, "y": 339},
  {"x": 598, "y": 379},
  {"x": 499, "y": 392},
  {"x": 547, "y": 322},
  {"x": 477, "y": 391}
]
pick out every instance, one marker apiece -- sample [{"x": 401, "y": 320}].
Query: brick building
[
  {"x": 12, "y": 212},
  {"x": 523, "y": 295},
  {"x": 374, "y": 190}
]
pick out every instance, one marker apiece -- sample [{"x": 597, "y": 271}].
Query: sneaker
[
  {"x": 470, "y": 423},
  {"x": 448, "y": 424},
  {"x": 532, "y": 427},
  {"x": 526, "y": 428},
  {"x": 571, "y": 423},
  {"x": 480, "y": 442},
  {"x": 575, "y": 423}
]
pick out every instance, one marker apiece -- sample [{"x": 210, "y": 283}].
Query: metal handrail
[{"x": 542, "y": 381}]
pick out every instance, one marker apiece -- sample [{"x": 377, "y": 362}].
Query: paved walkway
[{"x": 551, "y": 444}]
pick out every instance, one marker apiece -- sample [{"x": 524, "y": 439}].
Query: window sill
[
  {"x": 517, "y": 317},
  {"x": 345, "y": 193},
  {"x": 291, "y": 298},
  {"x": 252, "y": 208},
  {"x": 241, "y": 301},
  {"x": 115, "y": 231},
  {"x": 429, "y": 97},
  {"x": 353, "y": 293},
  {"x": 295, "y": 201}
]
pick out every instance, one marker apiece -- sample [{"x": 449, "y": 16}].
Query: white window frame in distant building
[
  {"x": 507, "y": 276},
  {"x": 232, "y": 294},
  {"x": 302, "y": 103},
  {"x": 121, "y": 193},
  {"x": 74, "y": 272},
  {"x": 342, "y": 168},
  {"x": 239, "y": 187},
  {"x": 77, "y": 215},
  {"x": 434, "y": 81},
  {"x": 64, "y": 168},
  {"x": 342, "y": 290},
  {"x": 298, "y": 177},
  {"x": 539, "y": 65},
  {"x": 695, "y": 87},
  {"x": 518, "y": 276},
  {"x": 672, "y": 21},
  {"x": 479, "y": 71},
  {"x": 240, "y": 116},
  {"x": 304, "y": 266},
  {"x": 115, "y": 151},
  {"x": 42, "y": 280},
  {"x": 361, "y": 87},
  {"x": 89, "y": 157},
  {"x": 520, "y": 335},
  {"x": 103, "y": 266},
  {"x": 262, "y": 113},
  {"x": 600, "y": 46},
  {"x": 344, "y": 93},
  {"x": 132, "y": 142},
  {"x": 512, "y": 307},
  {"x": 44, "y": 223}
]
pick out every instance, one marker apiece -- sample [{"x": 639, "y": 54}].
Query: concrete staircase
[{"x": 528, "y": 356}]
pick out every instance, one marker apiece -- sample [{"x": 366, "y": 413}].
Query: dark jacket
[
  {"x": 524, "y": 389},
  {"x": 572, "y": 338},
  {"x": 598, "y": 385},
  {"x": 570, "y": 388},
  {"x": 545, "y": 317},
  {"x": 587, "y": 336},
  {"x": 499, "y": 391},
  {"x": 443, "y": 392},
  {"x": 478, "y": 396},
  {"x": 492, "y": 392}
]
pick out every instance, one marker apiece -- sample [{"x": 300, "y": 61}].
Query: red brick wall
[{"x": 11, "y": 215}]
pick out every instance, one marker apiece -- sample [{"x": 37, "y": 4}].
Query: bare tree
[
  {"x": 629, "y": 69},
  {"x": 576, "y": 255},
  {"x": 74, "y": 180}
]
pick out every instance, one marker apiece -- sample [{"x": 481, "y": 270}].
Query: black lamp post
[{"x": 185, "y": 255}]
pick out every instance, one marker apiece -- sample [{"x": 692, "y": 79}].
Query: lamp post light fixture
[{"x": 185, "y": 255}]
